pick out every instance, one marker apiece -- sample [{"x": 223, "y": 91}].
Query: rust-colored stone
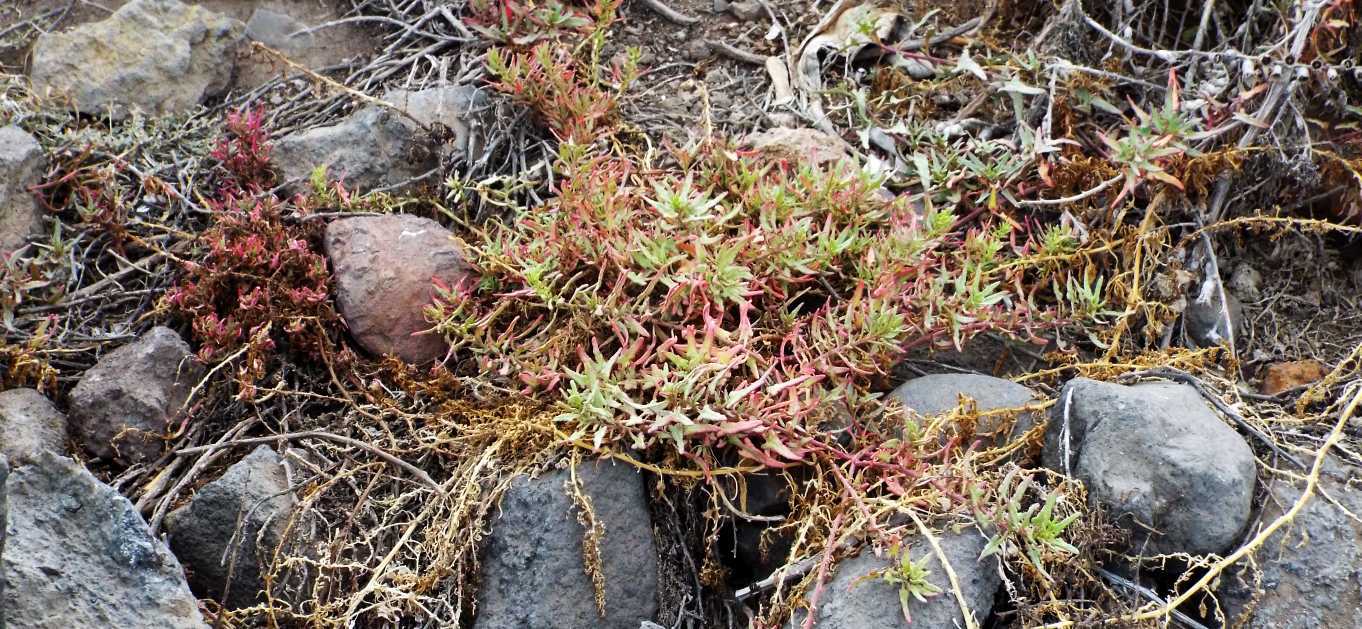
[
  {"x": 1283, "y": 376},
  {"x": 384, "y": 268}
]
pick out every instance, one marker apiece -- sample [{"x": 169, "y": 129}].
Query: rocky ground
[{"x": 400, "y": 313}]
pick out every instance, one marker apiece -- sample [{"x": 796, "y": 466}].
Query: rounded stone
[
  {"x": 385, "y": 268},
  {"x": 1158, "y": 459}
]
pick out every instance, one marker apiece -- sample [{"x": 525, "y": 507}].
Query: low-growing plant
[
  {"x": 727, "y": 304},
  {"x": 258, "y": 285},
  {"x": 577, "y": 104},
  {"x": 24, "y": 365},
  {"x": 910, "y": 577},
  {"x": 1034, "y": 534},
  {"x": 525, "y": 22},
  {"x": 91, "y": 187},
  {"x": 256, "y": 272},
  {"x": 244, "y": 150},
  {"x": 1151, "y": 143}
]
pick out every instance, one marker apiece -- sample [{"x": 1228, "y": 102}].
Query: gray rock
[
  {"x": 384, "y": 266},
  {"x": 21, "y": 166},
  {"x": 373, "y": 148},
  {"x": 914, "y": 67},
  {"x": 312, "y": 35},
  {"x": 157, "y": 56},
  {"x": 123, "y": 406},
  {"x": 696, "y": 50},
  {"x": 746, "y": 10},
  {"x": 1246, "y": 283},
  {"x": 29, "y": 424},
  {"x": 4, "y": 519},
  {"x": 276, "y": 30},
  {"x": 463, "y": 109},
  {"x": 940, "y": 393},
  {"x": 79, "y": 555},
  {"x": 533, "y": 575},
  {"x": 1312, "y": 568},
  {"x": 850, "y": 601},
  {"x": 1158, "y": 459},
  {"x": 254, "y": 492}
]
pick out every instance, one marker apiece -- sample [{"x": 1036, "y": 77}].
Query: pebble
[
  {"x": 745, "y": 10},
  {"x": 697, "y": 50}
]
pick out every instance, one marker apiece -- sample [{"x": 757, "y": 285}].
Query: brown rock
[
  {"x": 384, "y": 268},
  {"x": 1279, "y": 377},
  {"x": 808, "y": 146},
  {"x": 697, "y": 50},
  {"x": 124, "y": 405},
  {"x": 29, "y": 425}
]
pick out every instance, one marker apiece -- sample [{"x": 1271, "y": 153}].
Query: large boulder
[
  {"x": 123, "y": 406},
  {"x": 21, "y": 167},
  {"x": 156, "y": 56},
  {"x": 384, "y": 267},
  {"x": 533, "y": 570},
  {"x": 79, "y": 555},
  {"x": 1158, "y": 459},
  {"x": 852, "y": 601},
  {"x": 940, "y": 393},
  {"x": 373, "y": 148},
  {"x": 29, "y": 424},
  {"x": 237, "y": 520},
  {"x": 1311, "y": 568}
]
